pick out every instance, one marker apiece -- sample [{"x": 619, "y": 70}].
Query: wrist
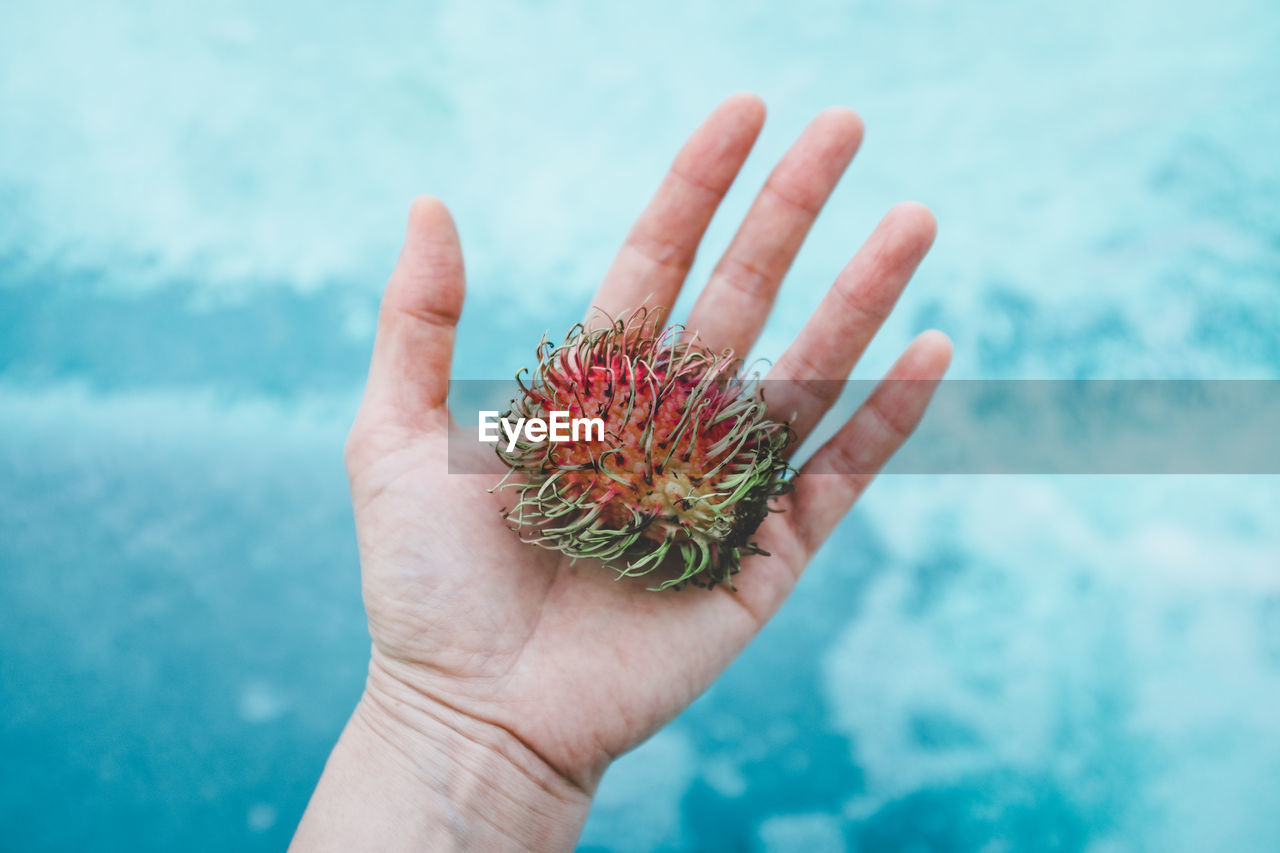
[{"x": 424, "y": 776}]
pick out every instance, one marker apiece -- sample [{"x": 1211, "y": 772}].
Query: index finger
[{"x": 659, "y": 250}]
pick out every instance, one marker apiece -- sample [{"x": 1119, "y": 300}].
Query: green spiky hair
[{"x": 687, "y": 468}]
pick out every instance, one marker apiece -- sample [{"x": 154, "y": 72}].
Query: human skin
[{"x": 504, "y": 679}]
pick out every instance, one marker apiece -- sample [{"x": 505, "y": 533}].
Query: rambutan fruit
[{"x": 685, "y": 470}]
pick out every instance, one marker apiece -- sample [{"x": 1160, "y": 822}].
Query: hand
[{"x": 504, "y": 680}]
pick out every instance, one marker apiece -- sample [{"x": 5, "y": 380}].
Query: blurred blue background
[{"x": 198, "y": 209}]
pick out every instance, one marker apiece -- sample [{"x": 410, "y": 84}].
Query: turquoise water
[{"x": 199, "y": 210}]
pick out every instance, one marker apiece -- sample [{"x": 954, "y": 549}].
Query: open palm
[{"x": 468, "y": 622}]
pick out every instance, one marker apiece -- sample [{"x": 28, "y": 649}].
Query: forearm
[{"x": 407, "y": 777}]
